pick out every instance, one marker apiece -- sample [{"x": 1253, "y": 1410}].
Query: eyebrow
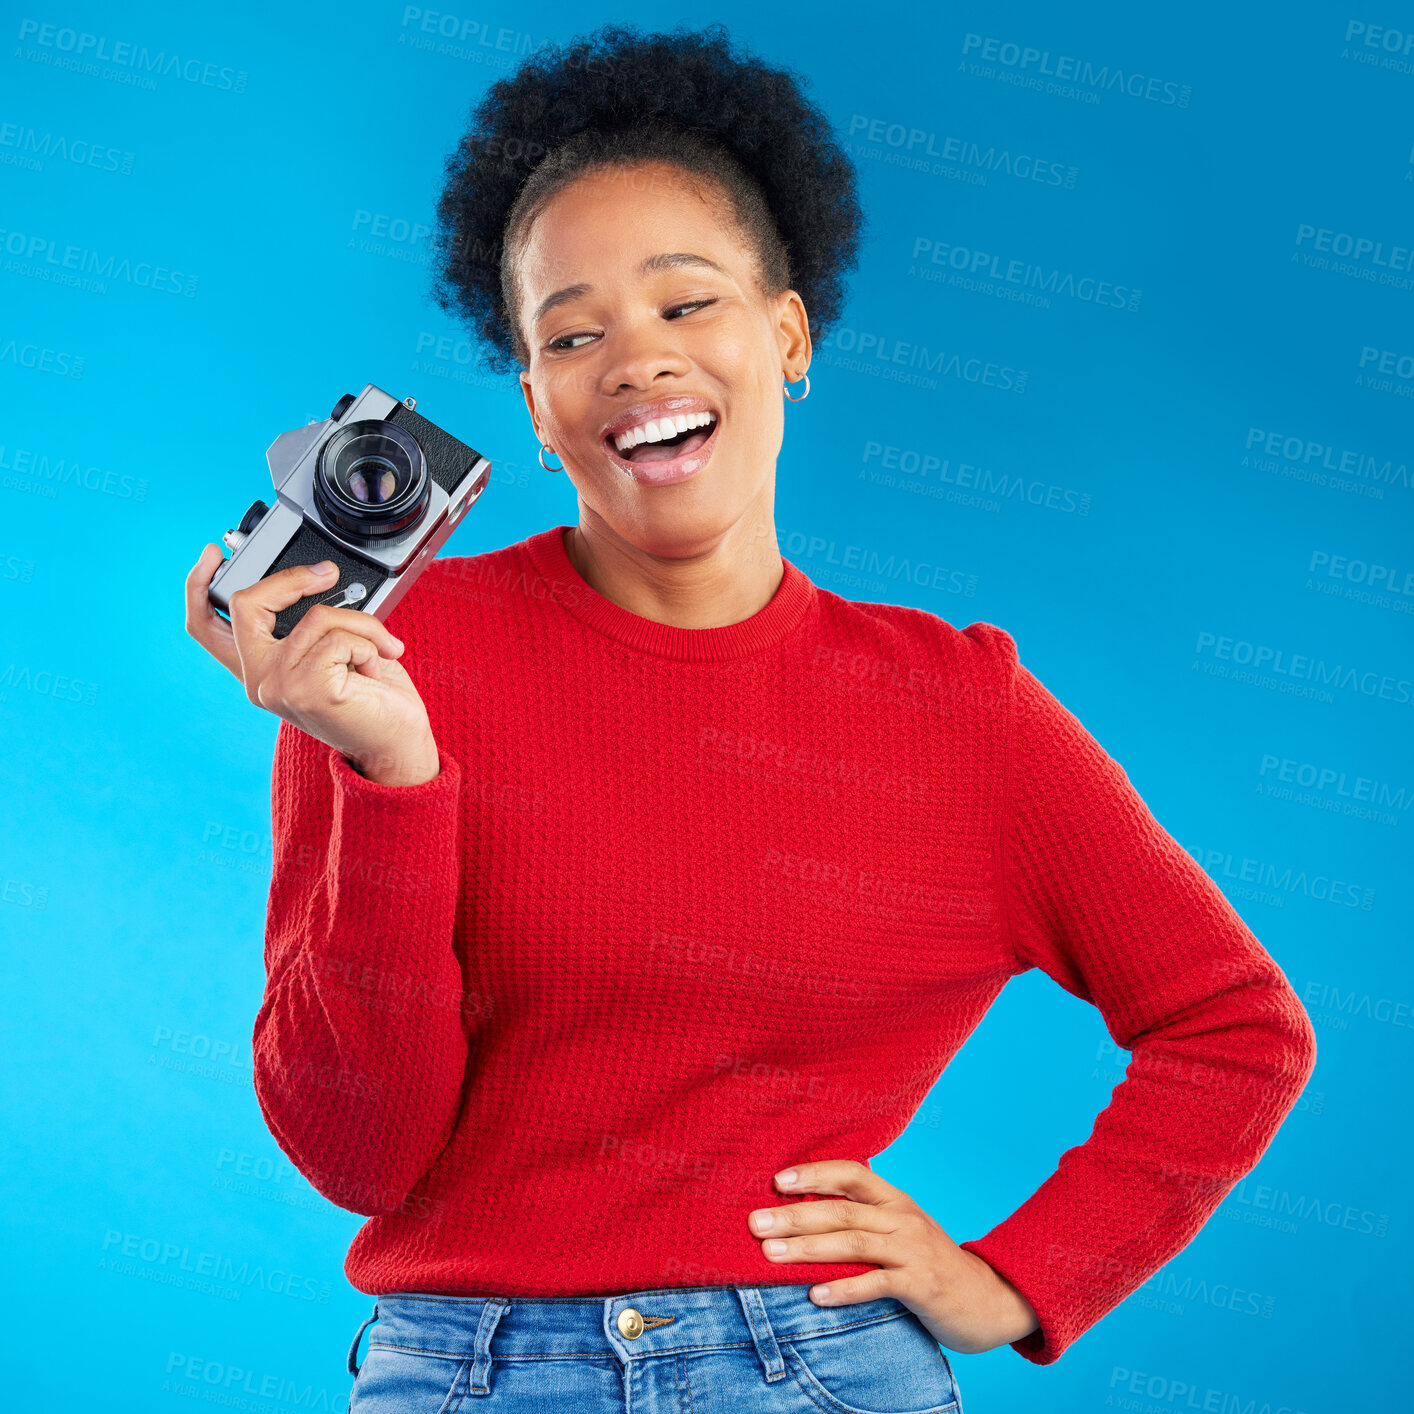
[{"x": 654, "y": 263}]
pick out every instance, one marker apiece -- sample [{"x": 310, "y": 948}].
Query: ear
[
  {"x": 792, "y": 335},
  {"x": 529, "y": 394}
]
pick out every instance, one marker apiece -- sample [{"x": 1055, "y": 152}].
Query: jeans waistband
[{"x": 668, "y": 1319}]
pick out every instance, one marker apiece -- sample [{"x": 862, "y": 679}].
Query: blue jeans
[{"x": 690, "y": 1350}]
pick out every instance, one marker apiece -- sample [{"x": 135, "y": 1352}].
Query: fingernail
[
  {"x": 819, "y": 1293},
  {"x": 764, "y": 1221},
  {"x": 399, "y": 644},
  {"x": 324, "y": 567},
  {"x": 774, "y": 1247},
  {"x": 786, "y": 1178}
]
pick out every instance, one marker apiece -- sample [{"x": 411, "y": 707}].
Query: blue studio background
[{"x": 1127, "y": 369}]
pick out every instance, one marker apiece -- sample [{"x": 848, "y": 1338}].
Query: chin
[{"x": 684, "y": 525}]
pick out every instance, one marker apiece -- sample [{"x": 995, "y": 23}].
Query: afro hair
[{"x": 619, "y": 96}]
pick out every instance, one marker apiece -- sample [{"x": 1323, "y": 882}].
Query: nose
[{"x": 642, "y": 352}]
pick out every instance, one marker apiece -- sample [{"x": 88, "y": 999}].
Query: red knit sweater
[{"x": 687, "y": 906}]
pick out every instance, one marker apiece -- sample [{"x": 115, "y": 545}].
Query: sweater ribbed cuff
[
  {"x": 1046, "y": 1342},
  {"x": 418, "y": 797}
]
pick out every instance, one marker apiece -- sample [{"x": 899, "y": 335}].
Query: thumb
[{"x": 253, "y": 610}]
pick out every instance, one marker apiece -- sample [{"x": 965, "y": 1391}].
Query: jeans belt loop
[
  {"x": 762, "y": 1336},
  {"x": 353, "y": 1349},
  {"x": 491, "y": 1313}
]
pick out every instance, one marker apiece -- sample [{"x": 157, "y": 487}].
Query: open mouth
[{"x": 673, "y": 439}]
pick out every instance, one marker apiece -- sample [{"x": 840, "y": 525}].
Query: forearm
[
  {"x": 359, "y": 1048},
  {"x": 358, "y": 1072},
  {"x": 1102, "y": 898},
  {"x": 1200, "y": 1103}
]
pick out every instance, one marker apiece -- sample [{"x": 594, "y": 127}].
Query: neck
[{"x": 718, "y": 581}]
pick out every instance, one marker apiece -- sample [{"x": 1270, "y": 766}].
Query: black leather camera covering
[
  {"x": 309, "y": 546},
  {"x": 448, "y": 461}
]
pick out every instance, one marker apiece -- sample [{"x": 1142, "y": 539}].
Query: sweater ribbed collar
[{"x": 793, "y": 598}]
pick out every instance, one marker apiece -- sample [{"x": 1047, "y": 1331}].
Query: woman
[{"x": 636, "y": 893}]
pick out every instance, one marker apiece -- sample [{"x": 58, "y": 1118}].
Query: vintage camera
[{"x": 375, "y": 488}]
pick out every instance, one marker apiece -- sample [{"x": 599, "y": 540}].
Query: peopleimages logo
[
  {"x": 1379, "y": 46},
  {"x": 1359, "y": 248},
  {"x": 1319, "y": 459},
  {"x": 900, "y": 144},
  {"x": 41, "y": 358},
  {"x": 1278, "y": 664},
  {"x": 900, "y": 361},
  {"x": 1219, "y": 864},
  {"x": 1362, "y": 579},
  {"x": 1140, "y": 1392},
  {"x": 38, "y": 255},
  {"x": 1330, "y": 780},
  {"x": 969, "y": 268},
  {"x": 85, "y": 51},
  {"x": 913, "y": 469},
  {"x": 466, "y": 30},
  {"x": 1387, "y": 361},
  {"x": 25, "y": 147},
  {"x": 924, "y": 573},
  {"x": 51, "y": 471},
  {"x": 211, "y": 1381},
  {"x": 172, "y": 1263},
  {"x": 1041, "y": 64}
]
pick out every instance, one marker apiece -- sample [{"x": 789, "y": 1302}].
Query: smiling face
[{"x": 656, "y": 361}]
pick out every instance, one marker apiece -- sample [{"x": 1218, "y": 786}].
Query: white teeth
[{"x": 662, "y": 429}]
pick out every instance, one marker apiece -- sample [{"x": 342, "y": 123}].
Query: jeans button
[{"x": 630, "y": 1323}]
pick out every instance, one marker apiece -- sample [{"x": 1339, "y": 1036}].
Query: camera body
[{"x": 375, "y": 487}]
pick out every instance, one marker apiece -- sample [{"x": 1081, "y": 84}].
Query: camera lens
[
  {"x": 384, "y": 480},
  {"x": 372, "y": 479}
]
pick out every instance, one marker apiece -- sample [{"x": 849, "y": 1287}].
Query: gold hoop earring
[
  {"x": 785, "y": 388},
  {"x": 541, "y": 458}
]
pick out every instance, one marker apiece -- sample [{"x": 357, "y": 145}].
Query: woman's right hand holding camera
[{"x": 336, "y": 675}]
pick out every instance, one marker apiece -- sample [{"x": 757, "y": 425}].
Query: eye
[
  {"x": 563, "y": 342},
  {"x": 691, "y": 304}
]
